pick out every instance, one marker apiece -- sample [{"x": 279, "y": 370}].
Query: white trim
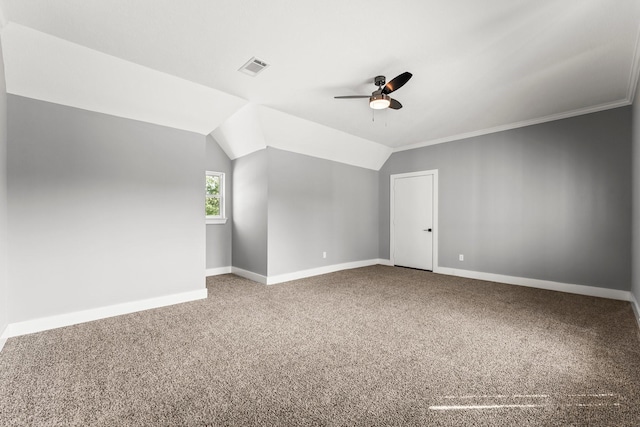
[
  {"x": 249, "y": 275},
  {"x": 209, "y": 221},
  {"x": 434, "y": 174},
  {"x": 524, "y": 123},
  {"x": 287, "y": 277},
  {"x": 67, "y": 319},
  {"x": 3, "y": 339},
  {"x": 222, "y": 219},
  {"x": 636, "y": 307},
  {"x": 386, "y": 262},
  {"x": 217, "y": 271},
  {"x": 540, "y": 284}
]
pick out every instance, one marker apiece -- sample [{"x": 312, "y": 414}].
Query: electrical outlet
[
  {"x": 461, "y": 257},
  {"x": 324, "y": 254}
]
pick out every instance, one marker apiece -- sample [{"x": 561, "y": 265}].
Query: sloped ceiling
[
  {"x": 43, "y": 67},
  {"x": 255, "y": 127},
  {"x": 478, "y": 66}
]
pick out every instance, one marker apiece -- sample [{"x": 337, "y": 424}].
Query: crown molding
[{"x": 516, "y": 125}]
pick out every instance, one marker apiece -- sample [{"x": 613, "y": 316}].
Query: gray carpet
[{"x": 370, "y": 346}]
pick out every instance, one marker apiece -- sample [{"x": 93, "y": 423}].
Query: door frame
[{"x": 392, "y": 178}]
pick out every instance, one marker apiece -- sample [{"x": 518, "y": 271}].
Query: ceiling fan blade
[
  {"x": 395, "y": 105},
  {"x": 397, "y": 83},
  {"x": 352, "y": 96}
]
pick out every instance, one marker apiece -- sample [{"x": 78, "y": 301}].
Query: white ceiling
[{"x": 477, "y": 66}]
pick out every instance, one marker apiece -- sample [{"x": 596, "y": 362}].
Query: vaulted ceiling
[{"x": 477, "y": 67}]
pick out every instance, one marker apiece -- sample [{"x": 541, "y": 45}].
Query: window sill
[{"x": 216, "y": 221}]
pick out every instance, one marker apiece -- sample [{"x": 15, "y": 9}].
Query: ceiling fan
[{"x": 380, "y": 98}]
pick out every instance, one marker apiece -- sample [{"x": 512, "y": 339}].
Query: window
[{"x": 214, "y": 198}]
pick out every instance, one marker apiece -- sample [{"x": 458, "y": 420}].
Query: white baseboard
[
  {"x": 537, "y": 283},
  {"x": 67, "y": 319},
  {"x": 272, "y": 280},
  {"x": 3, "y": 340},
  {"x": 491, "y": 277},
  {"x": 636, "y": 307},
  {"x": 217, "y": 271},
  {"x": 249, "y": 275}
]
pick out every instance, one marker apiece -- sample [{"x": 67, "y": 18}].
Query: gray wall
[
  {"x": 219, "y": 235},
  {"x": 550, "y": 201},
  {"x": 249, "y": 229},
  {"x": 635, "y": 253},
  {"x": 102, "y": 210},
  {"x": 4, "y": 290},
  {"x": 318, "y": 205}
]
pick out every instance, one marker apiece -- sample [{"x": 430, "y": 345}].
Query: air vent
[{"x": 253, "y": 66}]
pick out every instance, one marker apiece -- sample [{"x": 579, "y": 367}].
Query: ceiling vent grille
[{"x": 253, "y": 66}]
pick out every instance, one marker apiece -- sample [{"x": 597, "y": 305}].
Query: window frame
[{"x": 222, "y": 218}]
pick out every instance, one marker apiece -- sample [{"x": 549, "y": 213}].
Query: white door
[{"x": 413, "y": 221}]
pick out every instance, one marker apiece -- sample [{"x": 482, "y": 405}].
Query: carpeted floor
[{"x": 371, "y": 346}]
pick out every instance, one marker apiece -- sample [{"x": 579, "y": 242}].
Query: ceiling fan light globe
[{"x": 379, "y": 102}]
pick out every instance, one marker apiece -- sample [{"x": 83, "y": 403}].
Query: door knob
[{"x": 427, "y": 229}]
